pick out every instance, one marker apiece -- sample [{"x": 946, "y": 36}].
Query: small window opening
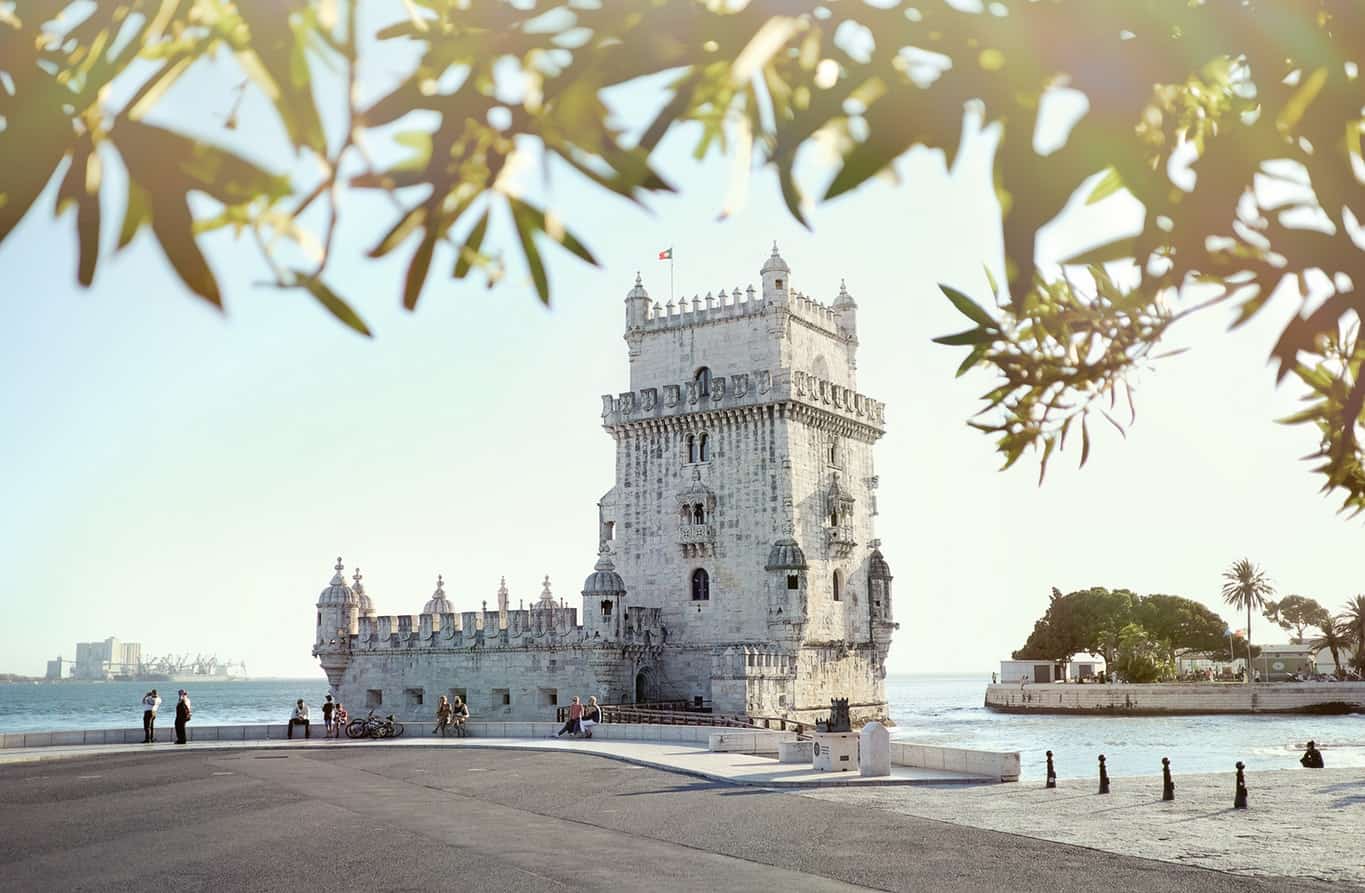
[
  {"x": 460, "y": 693},
  {"x": 701, "y": 585},
  {"x": 698, "y": 514},
  {"x": 606, "y": 608},
  {"x": 611, "y": 530},
  {"x": 793, "y": 581},
  {"x": 374, "y": 698},
  {"x": 412, "y": 697},
  {"x": 834, "y": 518},
  {"x": 704, "y": 449},
  {"x": 703, "y": 379},
  {"x": 501, "y": 697},
  {"x": 838, "y": 586},
  {"x": 691, "y": 448},
  {"x": 778, "y": 282}
]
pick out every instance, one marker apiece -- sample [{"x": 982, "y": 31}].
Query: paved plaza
[{"x": 408, "y": 818}]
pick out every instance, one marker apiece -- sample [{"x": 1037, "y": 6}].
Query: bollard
[
  {"x": 1104, "y": 777},
  {"x": 1239, "y": 801},
  {"x": 1051, "y": 773},
  {"x": 1167, "y": 786}
]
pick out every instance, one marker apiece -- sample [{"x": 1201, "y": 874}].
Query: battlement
[
  {"x": 741, "y": 390},
  {"x": 721, "y": 306},
  {"x": 525, "y": 628}
]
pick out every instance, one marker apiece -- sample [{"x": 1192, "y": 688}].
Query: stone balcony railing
[
  {"x": 840, "y": 540},
  {"x": 741, "y": 390},
  {"x": 697, "y": 540}
]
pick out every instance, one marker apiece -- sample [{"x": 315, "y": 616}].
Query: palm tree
[
  {"x": 1353, "y": 622},
  {"x": 1334, "y": 638},
  {"x": 1247, "y": 587}
]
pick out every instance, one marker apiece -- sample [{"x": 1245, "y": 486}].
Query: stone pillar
[{"x": 874, "y": 750}]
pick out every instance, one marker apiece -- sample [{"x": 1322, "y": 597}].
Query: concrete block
[
  {"x": 76, "y": 737},
  {"x": 13, "y": 739},
  {"x": 673, "y": 733},
  {"x": 874, "y": 750},
  {"x": 795, "y": 752},
  {"x": 37, "y": 739},
  {"x": 933, "y": 757},
  {"x": 954, "y": 760},
  {"x": 254, "y": 733},
  {"x": 494, "y": 729},
  {"x": 206, "y": 733},
  {"x": 517, "y": 729}
]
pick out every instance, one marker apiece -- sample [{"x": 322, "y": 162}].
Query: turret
[
  {"x": 846, "y": 311},
  {"x": 438, "y": 603},
  {"x": 366, "y": 605},
  {"x": 637, "y": 305},
  {"x": 603, "y": 592},
  {"x": 338, "y": 620},
  {"x": 502, "y": 596},
  {"x": 879, "y": 587},
  {"x": 786, "y": 567},
  {"x": 776, "y": 278}
]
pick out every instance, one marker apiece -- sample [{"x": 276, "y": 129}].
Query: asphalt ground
[{"x": 409, "y": 819}]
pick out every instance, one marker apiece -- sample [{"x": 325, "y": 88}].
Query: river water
[{"x": 932, "y": 709}]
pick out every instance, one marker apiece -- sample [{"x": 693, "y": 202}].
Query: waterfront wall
[{"x": 1183, "y": 698}]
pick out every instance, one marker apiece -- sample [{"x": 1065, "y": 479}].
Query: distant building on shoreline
[
  {"x": 737, "y": 567},
  {"x": 112, "y": 660},
  {"x": 107, "y": 659}
]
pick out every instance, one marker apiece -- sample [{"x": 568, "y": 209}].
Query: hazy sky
[{"x": 184, "y": 479}]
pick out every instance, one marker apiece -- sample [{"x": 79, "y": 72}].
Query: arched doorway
[{"x": 642, "y": 687}]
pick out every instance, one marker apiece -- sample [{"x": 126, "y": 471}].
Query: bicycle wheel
[
  {"x": 355, "y": 728},
  {"x": 396, "y": 731}
]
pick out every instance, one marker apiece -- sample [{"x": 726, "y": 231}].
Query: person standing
[
  {"x": 328, "y": 709},
  {"x": 300, "y": 718},
  {"x": 151, "y": 702},
  {"x": 339, "y": 718},
  {"x": 182, "y": 716}
]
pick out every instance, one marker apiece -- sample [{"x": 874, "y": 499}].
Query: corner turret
[
  {"x": 603, "y": 591},
  {"x": 776, "y": 278},
  {"x": 637, "y": 305},
  {"x": 846, "y": 310}
]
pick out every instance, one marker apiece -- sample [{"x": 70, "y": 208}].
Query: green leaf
[
  {"x": 470, "y": 251},
  {"x": 967, "y": 306},
  {"x": 1109, "y": 184},
  {"x": 1085, "y": 440},
  {"x": 528, "y": 222},
  {"x": 405, "y": 226},
  {"x": 137, "y": 212},
  {"x": 971, "y": 337},
  {"x": 173, "y": 227},
  {"x": 333, "y": 302},
  {"x": 417, "y": 269},
  {"x": 972, "y": 359},
  {"x": 990, "y": 279}
]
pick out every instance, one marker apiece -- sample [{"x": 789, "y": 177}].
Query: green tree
[
  {"x": 1335, "y": 638},
  {"x": 1236, "y": 127},
  {"x": 1180, "y": 624},
  {"x": 1353, "y": 622},
  {"x": 1295, "y": 612},
  {"x": 1139, "y": 658},
  {"x": 1246, "y": 586}
]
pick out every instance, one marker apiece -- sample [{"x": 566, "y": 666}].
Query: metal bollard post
[
  {"x": 1104, "y": 777},
  {"x": 1167, "y": 786},
  {"x": 1051, "y": 773},
  {"x": 1239, "y": 801}
]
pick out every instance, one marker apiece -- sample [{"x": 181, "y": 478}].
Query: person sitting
[
  {"x": 459, "y": 714},
  {"x": 1312, "y": 757},
  {"x": 300, "y": 718},
  {"x": 574, "y": 724},
  {"x": 443, "y": 715},
  {"x": 592, "y": 715}
]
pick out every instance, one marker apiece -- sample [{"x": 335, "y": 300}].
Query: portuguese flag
[{"x": 666, "y": 254}]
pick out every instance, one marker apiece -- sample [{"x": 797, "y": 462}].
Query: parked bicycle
[{"x": 372, "y": 726}]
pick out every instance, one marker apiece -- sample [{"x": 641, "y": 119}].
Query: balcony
[
  {"x": 839, "y": 540},
  {"x": 697, "y": 540}
]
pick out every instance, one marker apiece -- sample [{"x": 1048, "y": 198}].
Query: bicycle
[{"x": 372, "y": 726}]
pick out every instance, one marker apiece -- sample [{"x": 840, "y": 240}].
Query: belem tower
[{"x": 737, "y": 564}]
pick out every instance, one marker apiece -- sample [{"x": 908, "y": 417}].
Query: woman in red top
[{"x": 575, "y": 722}]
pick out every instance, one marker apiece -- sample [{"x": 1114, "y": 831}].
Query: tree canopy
[
  {"x": 1139, "y": 636},
  {"x": 1236, "y": 126},
  {"x": 1296, "y": 612}
]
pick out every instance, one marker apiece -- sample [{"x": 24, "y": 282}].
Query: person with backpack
[
  {"x": 151, "y": 702},
  {"x": 328, "y": 709},
  {"x": 182, "y": 716}
]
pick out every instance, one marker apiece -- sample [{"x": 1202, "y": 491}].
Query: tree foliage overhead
[
  {"x": 1296, "y": 612},
  {"x": 1235, "y": 125}
]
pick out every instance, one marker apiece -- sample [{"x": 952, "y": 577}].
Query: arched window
[
  {"x": 793, "y": 581},
  {"x": 703, "y": 379},
  {"x": 834, "y": 518},
  {"x": 701, "y": 586},
  {"x": 691, "y": 448},
  {"x": 833, "y": 453},
  {"x": 698, "y": 514},
  {"x": 606, "y": 608},
  {"x": 704, "y": 449},
  {"x": 838, "y": 586}
]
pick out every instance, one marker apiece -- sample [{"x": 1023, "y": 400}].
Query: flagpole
[{"x": 670, "y": 274}]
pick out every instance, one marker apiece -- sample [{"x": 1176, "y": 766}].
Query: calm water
[{"x": 929, "y": 708}]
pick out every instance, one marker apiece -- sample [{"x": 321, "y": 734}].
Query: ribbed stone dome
[
  {"x": 775, "y": 263},
  {"x": 337, "y": 592},
  {"x": 366, "y": 606},
  {"x": 844, "y": 299},
  {"x": 438, "y": 603},
  {"x": 604, "y": 580},
  {"x": 786, "y": 554},
  {"x": 638, "y": 291},
  {"x": 877, "y": 568}
]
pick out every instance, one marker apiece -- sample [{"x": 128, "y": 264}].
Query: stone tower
[{"x": 745, "y": 497}]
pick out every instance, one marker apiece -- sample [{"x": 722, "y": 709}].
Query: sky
[{"x": 185, "y": 479}]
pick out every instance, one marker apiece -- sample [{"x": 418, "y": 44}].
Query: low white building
[{"x": 1074, "y": 669}]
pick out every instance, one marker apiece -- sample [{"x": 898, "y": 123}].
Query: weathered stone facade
[{"x": 738, "y": 564}]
